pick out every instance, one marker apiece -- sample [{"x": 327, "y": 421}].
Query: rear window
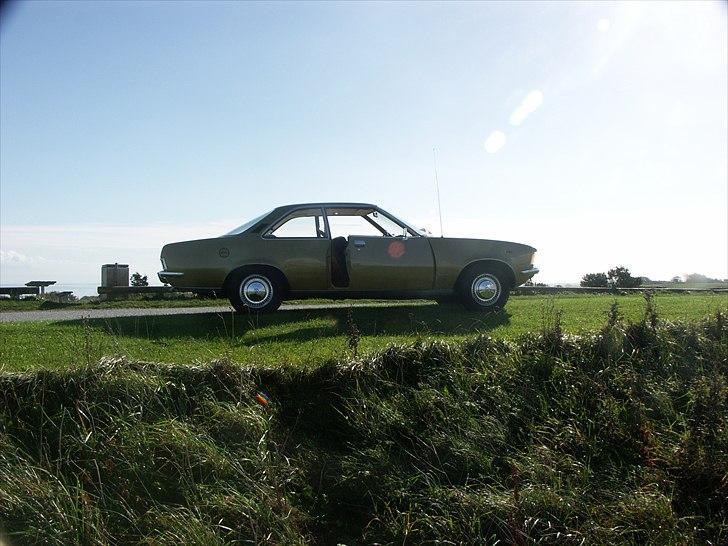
[{"x": 247, "y": 225}]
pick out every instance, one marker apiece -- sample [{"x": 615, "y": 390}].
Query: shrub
[
  {"x": 617, "y": 436},
  {"x": 137, "y": 279},
  {"x": 621, "y": 278},
  {"x": 594, "y": 280}
]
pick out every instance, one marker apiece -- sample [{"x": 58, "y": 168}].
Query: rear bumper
[
  {"x": 530, "y": 272},
  {"x": 169, "y": 276}
]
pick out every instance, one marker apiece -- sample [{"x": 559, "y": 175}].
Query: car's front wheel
[
  {"x": 484, "y": 290},
  {"x": 255, "y": 292}
]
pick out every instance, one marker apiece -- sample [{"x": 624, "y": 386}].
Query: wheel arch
[
  {"x": 492, "y": 265},
  {"x": 266, "y": 269}
]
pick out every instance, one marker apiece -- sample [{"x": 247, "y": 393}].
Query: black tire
[
  {"x": 255, "y": 292},
  {"x": 483, "y": 289}
]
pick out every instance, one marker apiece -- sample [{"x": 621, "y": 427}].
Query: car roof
[
  {"x": 278, "y": 212},
  {"x": 338, "y": 204}
]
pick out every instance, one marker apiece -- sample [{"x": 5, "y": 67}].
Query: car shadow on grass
[{"x": 300, "y": 325}]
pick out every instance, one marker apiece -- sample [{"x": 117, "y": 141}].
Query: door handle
[{"x": 358, "y": 243}]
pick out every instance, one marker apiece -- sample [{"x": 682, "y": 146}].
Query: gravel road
[{"x": 77, "y": 314}]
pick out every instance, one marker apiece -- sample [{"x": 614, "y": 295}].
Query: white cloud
[
  {"x": 13, "y": 257},
  {"x": 73, "y": 253},
  {"x": 528, "y": 105},
  {"x": 495, "y": 142},
  {"x": 603, "y": 25}
]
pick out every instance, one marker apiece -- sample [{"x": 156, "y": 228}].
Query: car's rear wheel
[
  {"x": 483, "y": 290},
  {"x": 255, "y": 292}
]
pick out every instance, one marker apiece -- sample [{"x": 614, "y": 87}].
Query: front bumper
[{"x": 168, "y": 276}]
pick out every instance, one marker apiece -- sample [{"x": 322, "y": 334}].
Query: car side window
[
  {"x": 303, "y": 223},
  {"x": 344, "y": 222},
  {"x": 346, "y": 225}
]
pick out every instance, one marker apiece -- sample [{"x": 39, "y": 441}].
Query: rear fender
[{"x": 266, "y": 269}]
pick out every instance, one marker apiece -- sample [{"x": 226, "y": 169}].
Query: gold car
[{"x": 344, "y": 250}]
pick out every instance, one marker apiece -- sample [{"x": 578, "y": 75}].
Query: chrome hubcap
[
  {"x": 485, "y": 289},
  {"x": 256, "y": 291}
]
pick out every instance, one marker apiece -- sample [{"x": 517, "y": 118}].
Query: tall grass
[{"x": 619, "y": 436}]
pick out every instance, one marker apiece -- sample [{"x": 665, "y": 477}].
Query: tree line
[{"x": 619, "y": 277}]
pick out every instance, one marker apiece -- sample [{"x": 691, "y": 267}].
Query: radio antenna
[{"x": 437, "y": 187}]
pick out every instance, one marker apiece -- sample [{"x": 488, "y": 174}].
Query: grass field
[
  {"x": 308, "y": 337},
  {"x": 619, "y": 436}
]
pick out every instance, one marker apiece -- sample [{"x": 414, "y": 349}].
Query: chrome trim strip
[
  {"x": 170, "y": 274},
  {"x": 531, "y": 271}
]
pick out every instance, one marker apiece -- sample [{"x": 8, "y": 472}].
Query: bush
[
  {"x": 617, "y": 436},
  {"x": 137, "y": 279},
  {"x": 621, "y": 278},
  {"x": 697, "y": 278},
  {"x": 594, "y": 280}
]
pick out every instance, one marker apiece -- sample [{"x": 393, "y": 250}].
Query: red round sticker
[{"x": 396, "y": 249}]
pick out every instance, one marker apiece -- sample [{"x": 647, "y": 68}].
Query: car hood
[{"x": 492, "y": 243}]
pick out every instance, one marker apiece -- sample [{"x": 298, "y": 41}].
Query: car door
[
  {"x": 390, "y": 263},
  {"x": 378, "y": 260}
]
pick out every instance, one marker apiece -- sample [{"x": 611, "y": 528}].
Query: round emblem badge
[
  {"x": 396, "y": 249},
  {"x": 224, "y": 252}
]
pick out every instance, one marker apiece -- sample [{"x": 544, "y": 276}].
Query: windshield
[
  {"x": 422, "y": 232},
  {"x": 413, "y": 230},
  {"x": 247, "y": 225}
]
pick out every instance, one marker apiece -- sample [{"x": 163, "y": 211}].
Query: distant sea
[{"x": 79, "y": 290}]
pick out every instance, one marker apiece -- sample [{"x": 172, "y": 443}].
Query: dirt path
[{"x": 78, "y": 314}]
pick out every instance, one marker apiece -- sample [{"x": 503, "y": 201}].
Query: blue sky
[{"x": 595, "y": 131}]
